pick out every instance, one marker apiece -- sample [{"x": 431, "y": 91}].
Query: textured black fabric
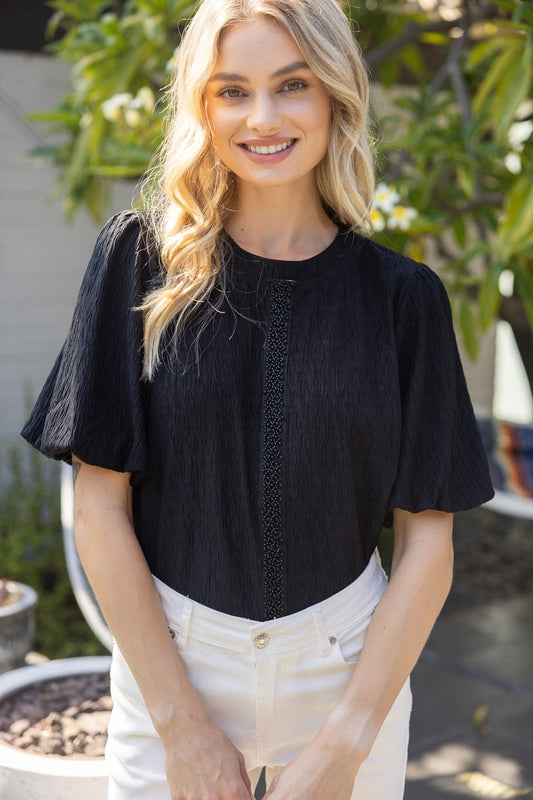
[{"x": 374, "y": 414}]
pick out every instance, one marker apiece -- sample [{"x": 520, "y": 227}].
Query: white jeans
[{"x": 268, "y": 685}]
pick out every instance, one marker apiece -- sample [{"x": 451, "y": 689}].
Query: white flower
[
  {"x": 400, "y": 217},
  {"x": 377, "y": 219},
  {"x": 113, "y": 108},
  {"x": 513, "y": 162},
  {"x": 144, "y": 100},
  {"x": 133, "y": 117},
  {"x": 385, "y": 198}
]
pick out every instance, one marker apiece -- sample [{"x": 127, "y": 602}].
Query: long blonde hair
[{"x": 190, "y": 200}]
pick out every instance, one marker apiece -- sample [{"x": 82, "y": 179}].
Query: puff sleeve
[
  {"x": 92, "y": 402},
  {"x": 442, "y": 463}
]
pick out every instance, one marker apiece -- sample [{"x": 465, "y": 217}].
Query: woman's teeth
[{"x": 271, "y": 149}]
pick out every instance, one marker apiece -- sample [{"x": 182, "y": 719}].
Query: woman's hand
[
  {"x": 203, "y": 764},
  {"x": 323, "y": 770}
]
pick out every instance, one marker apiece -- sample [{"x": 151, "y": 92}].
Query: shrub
[{"x": 31, "y": 551}]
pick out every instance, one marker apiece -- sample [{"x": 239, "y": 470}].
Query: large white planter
[
  {"x": 17, "y": 625},
  {"x": 26, "y": 776}
]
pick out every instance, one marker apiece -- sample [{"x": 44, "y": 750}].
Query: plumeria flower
[
  {"x": 377, "y": 219},
  {"x": 401, "y": 216},
  {"x": 144, "y": 100},
  {"x": 113, "y": 108},
  {"x": 133, "y": 117},
  {"x": 385, "y": 197}
]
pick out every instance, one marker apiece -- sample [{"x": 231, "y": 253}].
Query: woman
[{"x": 248, "y": 391}]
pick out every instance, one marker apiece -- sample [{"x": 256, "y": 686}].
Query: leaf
[
  {"x": 521, "y": 11},
  {"x": 489, "y": 295},
  {"x": 466, "y": 176},
  {"x": 56, "y": 115},
  {"x": 488, "y": 217},
  {"x": 98, "y": 128},
  {"x": 96, "y": 197},
  {"x": 459, "y": 229},
  {"x": 485, "y": 50},
  {"x": 435, "y": 38},
  {"x": 412, "y": 59},
  {"x": 117, "y": 171},
  {"x": 468, "y": 328},
  {"x": 498, "y": 67},
  {"x": 524, "y": 288},
  {"x": 516, "y": 229},
  {"x": 76, "y": 170},
  {"x": 512, "y": 91}
]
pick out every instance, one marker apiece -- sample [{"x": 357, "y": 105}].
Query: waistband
[{"x": 188, "y": 619}]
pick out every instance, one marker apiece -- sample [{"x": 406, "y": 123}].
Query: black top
[{"x": 323, "y": 394}]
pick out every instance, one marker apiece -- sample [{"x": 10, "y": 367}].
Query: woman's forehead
[{"x": 260, "y": 44}]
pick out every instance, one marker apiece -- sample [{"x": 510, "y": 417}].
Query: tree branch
[
  {"x": 456, "y": 76},
  {"x": 414, "y": 30}
]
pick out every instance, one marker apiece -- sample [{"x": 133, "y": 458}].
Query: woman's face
[{"x": 269, "y": 114}]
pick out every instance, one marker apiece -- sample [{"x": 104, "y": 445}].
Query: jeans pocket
[
  {"x": 350, "y": 641},
  {"x": 177, "y": 635}
]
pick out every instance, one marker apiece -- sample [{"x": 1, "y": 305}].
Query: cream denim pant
[{"x": 268, "y": 685}]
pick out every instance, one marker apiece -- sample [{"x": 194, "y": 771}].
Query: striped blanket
[{"x": 509, "y": 450}]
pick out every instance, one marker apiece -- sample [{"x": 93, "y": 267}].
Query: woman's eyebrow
[{"x": 233, "y": 76}]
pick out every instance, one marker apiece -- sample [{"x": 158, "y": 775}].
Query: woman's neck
[{"x": 280, "y": 224}]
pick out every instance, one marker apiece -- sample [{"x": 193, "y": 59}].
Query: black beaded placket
[{"x": 276, "y": 348}]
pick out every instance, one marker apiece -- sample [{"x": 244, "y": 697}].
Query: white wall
[{"x": 42, "y": 258}]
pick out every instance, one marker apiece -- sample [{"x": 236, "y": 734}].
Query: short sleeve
[
  {"x": 442, "y": 464},
  {"x": 92, "y": 402}
]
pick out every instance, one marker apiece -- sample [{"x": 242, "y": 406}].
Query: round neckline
[{"x": 285, "y": 269}]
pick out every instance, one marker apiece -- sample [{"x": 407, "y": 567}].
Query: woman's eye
[
  {"x": 294, "y": 86},
  {"x": 232, "y": 93}
]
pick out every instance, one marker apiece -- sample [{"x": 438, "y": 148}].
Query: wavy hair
[{"x": 193, "y": 191}]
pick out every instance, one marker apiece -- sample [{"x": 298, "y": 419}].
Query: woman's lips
[{"x": 271, "y": 152}]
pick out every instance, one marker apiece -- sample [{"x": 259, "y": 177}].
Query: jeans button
[{"x": 261, "y": 640}]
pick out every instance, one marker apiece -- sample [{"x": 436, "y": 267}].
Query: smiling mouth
[{"x": 266, "y": 150}]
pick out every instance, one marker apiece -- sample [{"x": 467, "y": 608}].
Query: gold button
[{"x": 261, "y": 640}]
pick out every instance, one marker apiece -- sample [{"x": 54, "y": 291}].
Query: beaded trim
[{"x": 273, "y": 416}]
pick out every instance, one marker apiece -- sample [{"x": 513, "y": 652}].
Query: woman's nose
[{"x": 264, "y": 117}]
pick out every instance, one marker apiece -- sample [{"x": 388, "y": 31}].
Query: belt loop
[
  {"x": 186, "y": 614},
  {"x": 324, "y": 646}
]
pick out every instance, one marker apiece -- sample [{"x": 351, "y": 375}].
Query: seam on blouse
[{"x": 418, "y": 270}]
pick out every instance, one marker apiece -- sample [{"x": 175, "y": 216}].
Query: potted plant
[
  {"x": 17, "y": 623},
  {"x": 27, "y": 773},
  {"x": 31, "y": 546}
]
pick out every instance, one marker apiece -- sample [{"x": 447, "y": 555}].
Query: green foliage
[
  {"x": 459, "y": 149},
  {"x": 457, "y": 142},
  {"x": 115, "y": 49},
  {"x": 31, "y": 551}
]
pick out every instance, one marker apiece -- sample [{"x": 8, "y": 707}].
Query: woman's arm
[
  {"x": 200, "y": 759},
  {"x": 420, "y": 580}
]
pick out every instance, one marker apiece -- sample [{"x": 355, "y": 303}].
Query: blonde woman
[{"x": 249, "y": 390}]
